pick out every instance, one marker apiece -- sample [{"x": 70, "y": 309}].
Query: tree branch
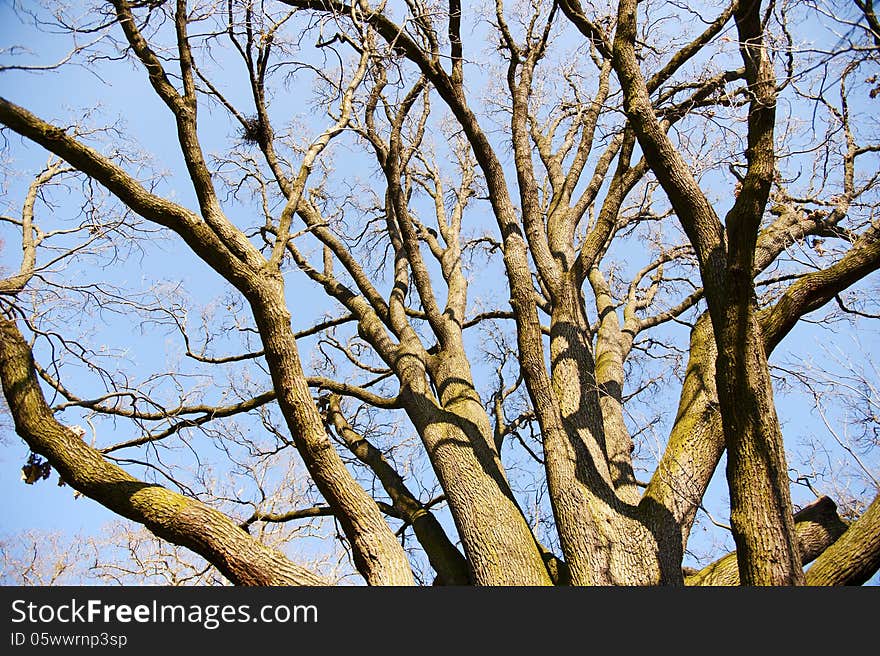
[{"x": 168, "y": 515}]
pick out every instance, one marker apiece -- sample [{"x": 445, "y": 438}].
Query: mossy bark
[
  {"x": 818, "y": 526},
  {"x": 855, "y": 557}
]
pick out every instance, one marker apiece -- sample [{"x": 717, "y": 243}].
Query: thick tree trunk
[
  {"x": 573, "y": 374},
  {"x": 757, "y": 473},
  {"x": 574, "y": 453},
  {"x": 760, "y": 503},
  {"x": 612, "y": 547},
  {"x": 499, "y": 545}
]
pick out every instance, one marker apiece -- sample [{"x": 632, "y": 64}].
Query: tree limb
[{"x": 169, "y": 515}]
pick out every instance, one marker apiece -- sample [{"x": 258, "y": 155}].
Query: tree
[{"x": 626, "y": 173}]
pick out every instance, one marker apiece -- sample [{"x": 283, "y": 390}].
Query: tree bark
[
  {"x": 696, "y": 440},
  {"x": 757, "y": 473},
  {"x": 612, "y": 346},
  {"x": 611, "y": 546},
  {"x": 855, "y": 557},
  {"x": 500, "y": 547},
  {"x": 818, "y": 526}
]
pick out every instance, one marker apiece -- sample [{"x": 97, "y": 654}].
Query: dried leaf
[{"x": 35, "y": 469}]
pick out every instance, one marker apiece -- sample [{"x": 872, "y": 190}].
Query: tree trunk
[
  {"x": 499, "y": 545},
  {"x": 611, "y": 546},
  {"x": 612, "y": 346},
  {"x": 695, "y": 443},
  {"x": 757, "y": 473}
]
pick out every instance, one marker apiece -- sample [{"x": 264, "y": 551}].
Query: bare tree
[{"x": 552, "y": 247}]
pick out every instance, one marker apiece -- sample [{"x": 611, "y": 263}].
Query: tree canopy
[{"x": 429, "y": 292}]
